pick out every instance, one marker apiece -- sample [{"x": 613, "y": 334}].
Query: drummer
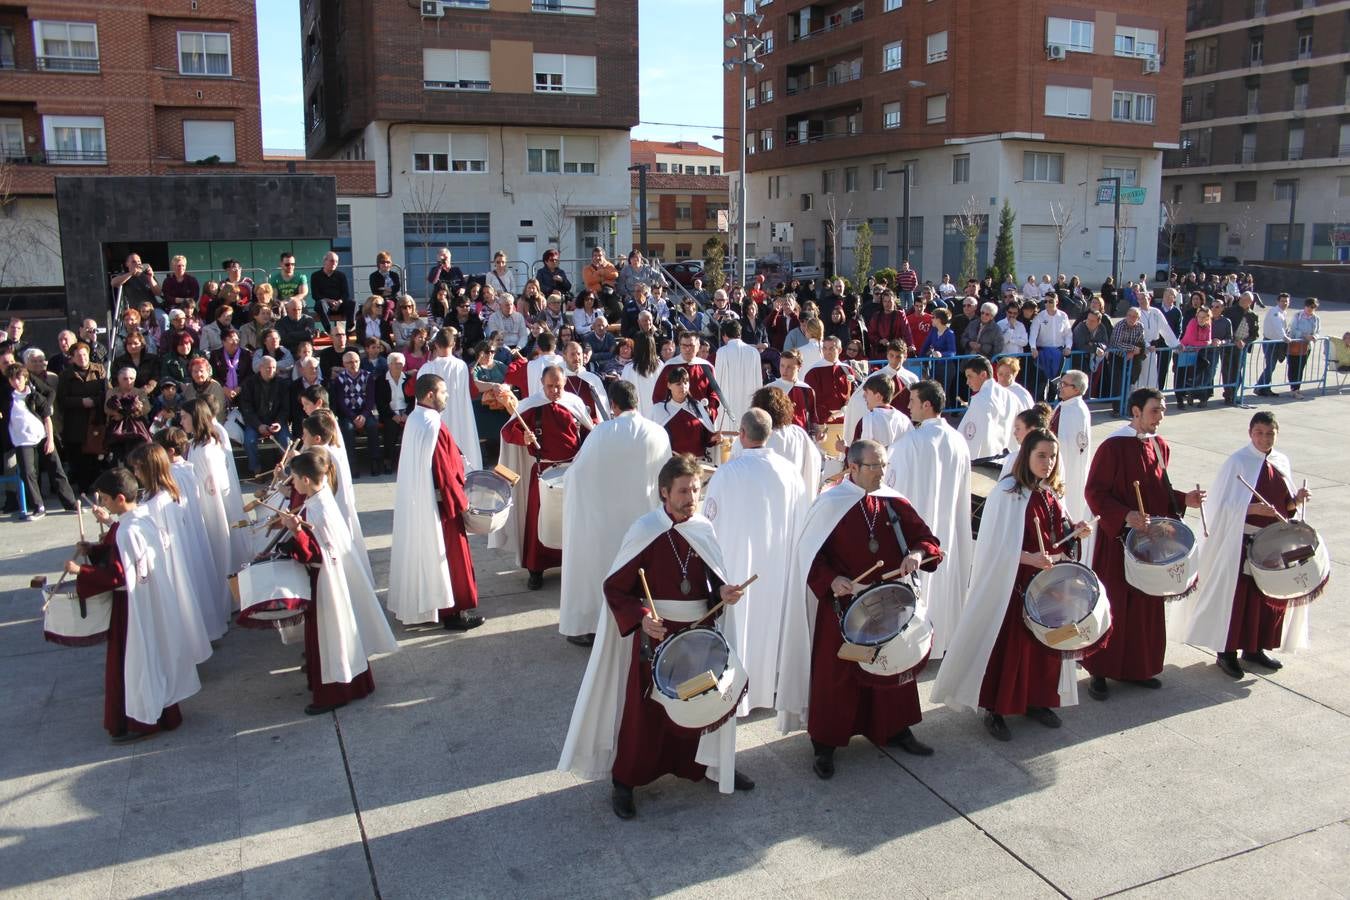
[
  {"x": 678, "y": 551},
  {"x": 1228, "y": 612},
  {"x": 849, "y": 529},
  {"x": 1136, "y": 452},
  {"x": 687, "y": 421},
  {"x": 994, "y": 660}
]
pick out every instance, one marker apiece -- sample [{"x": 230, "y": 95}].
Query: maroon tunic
[
  {"x": 1022, "y": 672},
  {"x": 702, "y": 384},
  {"x": 688, "y": 434},
  {"x": 649, "y": 744},
  {"x": 831, "y": 387},
  {"x": 845, "y": 700},
  {"x": 447, "y": 474},
  {"x": 886, "y": 327},
  {"x": 559, "y": 436},
  {"x": 1138, "y": 627},
  {"x": 1258, "y": 622},
  {"x": 304, "y": 549},
  {"x": 778, "y": 324},
  {"x": 575, "y": 384},
  {"x": 803, "y": 399},
  {"x": 104, "y": 574}
]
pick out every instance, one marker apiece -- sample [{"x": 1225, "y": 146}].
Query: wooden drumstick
[
  {"x": 642, "y": 576},
  {"x": 1040, "y": 538},
  {"x": 1263, "y": 501},
  {"x": 895, "y": 573},
  {"x": 1139, "y": 496},
  {"x": 79, "y": 514},
  {"x": 876, "y": 565},
  {"x": 1303, "y": 507},
  {"x": 1068, "y": 537},
  {"x": 513, "y": 405},
  {"x": 1204, "y": 525},
  {"x": 710, "y": 613}
]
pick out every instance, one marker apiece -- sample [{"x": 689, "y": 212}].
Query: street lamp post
[
  {"x": 1115, "y": 231},
  {"x": 641, "y": 169},
  {"x": 748, "y": 45},
  {"x": 904, "y": 210}
]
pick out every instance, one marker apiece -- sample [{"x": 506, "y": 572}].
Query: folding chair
[
  {"x": 1341, "y": 363},
  {"x": 16, "y": 479}
]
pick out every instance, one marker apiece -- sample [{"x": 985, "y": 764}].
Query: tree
[
  {"x": 555, "y": 218},
  {"x": 30, "y": 245},
  {"x": 832, "y": 220},
  {"x": 970, "y": 222},
  {"x": 1171, "y": 214},
  {"x": 1243, "y": 226},
  {"x": 1005, "y": 262},
  {"x": 714, "y": 255},
  {"x": 862, "y": 253},
  {"x": 1061, "y": 214},
  {"x": 426, "y": 197}
]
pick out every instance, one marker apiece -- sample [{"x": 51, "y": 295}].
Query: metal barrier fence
[{"x": 1309, "y": 368}]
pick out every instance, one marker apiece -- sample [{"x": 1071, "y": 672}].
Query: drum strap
[
  {"x": 895, "y": 526},
  {"x": 1172, "y": 496}
]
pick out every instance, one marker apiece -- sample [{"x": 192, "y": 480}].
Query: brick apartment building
[
  {"x": 99, "y": 88},
  {"x": 979, "y": 100},
  {"x": 492, "y": 127},
  {"x": 1263, "y": 172},
  {"x": 685, "y": 191}
]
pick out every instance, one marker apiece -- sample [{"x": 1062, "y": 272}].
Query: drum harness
[
  {"x": 1177, "y": 514},
  {"x": 911, "y": 579}
]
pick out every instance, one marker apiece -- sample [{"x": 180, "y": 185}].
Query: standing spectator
[
  {"x": 79, "y": 395},
  {"x": 297, "y": 325},
  {"x": 551, "y": 278},
  {"x": 1221, "y": 347},
  {"x": 180, "y": 290},
  {"x": 1246, "y": 331},
  {"x": 888, "y": 324},
  {"x": 1303, "y": 330},
  {"x": 1015, "y": 335},
  {"x": 65, "y": 339},
  {"x": 332, "y": 293},
  {"x": 137, "y": 281},
  {"x": 26, "y": 406},
  {"x": 906, "y": 283},
  {"x": 1051, "y": 340},
  {"x": 445, "y": 272},
  {"x": 35, "y": 361},
  {"x": 1276, "y": 331},
  {"x": 779, "y": 323},
  {"x": 508, "y": 323},
  {"x": 920, "y": 322},
  {"x": 1194, "y": 361},
  {"x": 1109, "y": 298},
  {"x": 128, "y": 409},
  {"x": 392, "y": 400},
  {"x": 982, "y": 334},
  {"x": 946, "y": 290},
  {"x": 353, "y": 398},
  {"x": 287, "y": 283},
  {"x": 700, "y": 295},
  {"x": 264, "y": 402},
  {"x": 149, "y": 370},
  {"x": 98, "y": 352}
]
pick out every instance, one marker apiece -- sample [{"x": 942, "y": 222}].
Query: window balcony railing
[
  {"x": 1293, "y": 154},
  {"x": 67, "y": 64},
  {"x": 461, "y": 85},
  {"x": 795, "y": 140},
  {"x": 71, "y": 157},
  {"x": 1344, "y": 151},
  {"x": 832, "y": 23},
  {"x": 1245, "y": 156},
  {"x": 830, "y": 81}
]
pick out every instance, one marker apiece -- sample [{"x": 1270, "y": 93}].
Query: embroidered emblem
[
  {"x": 1082, "y": 441},
  {"x": 710, "y": 508},
  {"x": 969, "y": 431}
]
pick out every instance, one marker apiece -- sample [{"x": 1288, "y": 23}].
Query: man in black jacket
[
  {"x": 264, "y": 402},
  {"x": 332, "y": 295},
  {"x": 1246, "y": 332},
  {"x": 26, "y": 414}
]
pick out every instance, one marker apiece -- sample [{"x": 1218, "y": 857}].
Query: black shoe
[
  {"x": 1045, "y": 715},
  {"x": 1097, "y": 688},
  {"x": 131, "y": 737},
  {"x": 997, "y": 728},
  {"x": 1261, "y": 659},
  {"x": 581, "y": 640},
  {"x": 1264, "y": 392},
  {"x": 315, "y": 710},
  {"x": 1228, "y": 664},
  {"x": 743, "y": 782},
  {"x": 1204, "y": 402},
  {"x": 536, "y": 581},
  {"x": 621, "y": 800},
  {"x": 824, "y": 764},
  {"x": 1151, "y": 683},
  {"x": 907, "y": 742},
  {"x": 462, "y": 622}
]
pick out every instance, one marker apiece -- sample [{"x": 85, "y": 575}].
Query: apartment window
[
  {"x": 911, "y": 168},
  {"x": 1136, "y": 42},
  {"x": 552, "y": 154},
  {"x": 662, "y": 168},
  {"x": 891, "y": 56},
  {"x": 1130, "y": 107},
  {"x": 937, "y": 109},
  {"x": 561, "y": 73},
  {"x": 937, "y": 47},
  {"x": 1253, "y": 100},
  {"x": 465, "y": 4},
  {"x": 1075, "y": 35},
  {"x": 1301, "y": 95},
  {"x": 750, "y": 143},
  {"x": 1248, "y": 149},
  {"x": 203, "y": 53},
  {"x": 767, "y": 38},
  {"x": 1295, "y": 145},
  {"x": 1211, "y": 193},
  {"x": 1342, "y": 186},
  {"x": 879, "y": 177},
  {"x": 1305, "y": 45},
  {"x": 827, "y": 181},
  {"x": 7, "y": 60},
  {"x": 1044, "y": 167},
  {"x": 892, "y": 5},
  {"x": 808, "y": 202},
  {"x": 1068, "y": 102},
  {"x": 1343, "y": 145},
  {"x": 1244, "y": 191},
  {"x": 683, "y": 213},
  {"x": 456, "y": 70},
  {"x": 853, "y": 123},
  {"x": 774, "y": 186},
  {"x": 66, "y": 46},
  {"x": 11, "y": 139},
  {"x": 766, "y": 139},
  {"x": 203, "y": 140},
  {"x": 74, "y": 140},
  {"x": 449, "y": 153},
  {"x": 751, "y": 98},
  {"x": 961, "y": 168},
  {"x": 851, "y": 179},
  {"x": 1256, "y": 51},
  {"x": 714, "y": 170},
  {"x": 563, "y": 7},
  {"x": 702, "y": 170},
  {"x": 1284, "y": 190},
  {"x": 1124, "y": 168},
  {"x": 766, "y": 92}
]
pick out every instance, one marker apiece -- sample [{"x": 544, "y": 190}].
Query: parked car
[
  {"x": 804, "y": 272},
  {"x": 685, "y": 271}
]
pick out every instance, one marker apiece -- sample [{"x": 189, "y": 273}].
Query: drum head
[
  {"x": 878, "y": 614},
  {"x": 1062, "y": 595},
  {"x": 1164, "y": 541},
  {"x": 487, "y": 492},
  {"x": 689, "y": 653},
  {"x": 1283, "y": 544}
]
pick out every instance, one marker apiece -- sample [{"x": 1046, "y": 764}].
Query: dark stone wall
[{"x": 92, "y": 211}]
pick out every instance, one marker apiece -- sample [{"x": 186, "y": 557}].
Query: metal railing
[{"x": 1301, "y": 370}]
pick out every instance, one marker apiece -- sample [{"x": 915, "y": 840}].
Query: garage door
[{"x": 1037, "y": 253}]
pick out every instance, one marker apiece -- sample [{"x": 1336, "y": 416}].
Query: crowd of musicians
[{"x": 692, "y": 504}]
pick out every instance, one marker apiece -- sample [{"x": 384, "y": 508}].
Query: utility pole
[
  {"x": 904, "y": 211},
  {"x": 1115, "y": 231},
  {"x": 749, "y": 45}
]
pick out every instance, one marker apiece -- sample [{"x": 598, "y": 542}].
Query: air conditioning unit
[
  {"x": 431, "y": 9},
  {"x": 1056, "y": 51},
  {"x": 1152, "y": 65}
]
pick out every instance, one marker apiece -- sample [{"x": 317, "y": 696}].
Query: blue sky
[{"x": 680, "y": 79}]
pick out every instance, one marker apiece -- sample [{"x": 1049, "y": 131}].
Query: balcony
[
  {"x": 1245, "y": 156},
  {"x": 793, "y": 89},
  {"x": 18, "y": 157},
  {"x": 81, "y": 65},
  {"x": 1293, "y": 154},
  {"x": 830, "y": 22}
]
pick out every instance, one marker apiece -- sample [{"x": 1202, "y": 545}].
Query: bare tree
[
  {"x": 970, "y": 222},
  {"x": 29, "y": 244},
  {"x": 1244, "y": 226},
  {"x": 556, "y": 221},
  {"x": 1061, "y": 214},
  {"x": 833, "y": 219},
  {"x": 1122, "y": 233},
  {"x": 1171, "y": 212},
  {"x": 426, "y": 199}
]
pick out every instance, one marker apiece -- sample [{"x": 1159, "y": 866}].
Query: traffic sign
[{"x": 1133, "y": 196}]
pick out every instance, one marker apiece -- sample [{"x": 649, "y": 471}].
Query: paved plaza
[{"x": 442, "y": 783}]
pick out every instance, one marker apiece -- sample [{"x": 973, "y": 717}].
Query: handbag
[
  {"x": 95, "y": 436},
  {"x": 1298, "y": 348},
  {"x": 1187, "y": 358}
]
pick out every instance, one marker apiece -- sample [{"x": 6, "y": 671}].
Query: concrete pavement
[{"x": 442, "y": 783}]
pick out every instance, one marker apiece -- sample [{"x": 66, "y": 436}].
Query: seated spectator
[
  {"x": 440, "y": 304},
  {"x": 385, "y": 282},
  {"x": 296, "y": 326},
  {"x": 445, "y": 272},
  {"x": 235, "y": 277},
  {"x": 288, "y": 283},
  {"x": 553, "y": 316},
  {"x": 599, "y": 341},
  {"x": 600, "y": 273},
  {"x": 330, "y": 357},
  {"x": 264, "y": 317},
  {"x": 464, "y": 318},
  {"x": 551, "y": 278},
  {"x": 393, "y": 400},
  {"x": 418, "y": 351},
  {"x": 147, "y": 365},
  {"x": 211, "y": 333},
  {"x": 231, "y": 365},
  {"x": 508, "y": 323},
  {"x": 305, "y": 384},
  {"x": 264, "y": 403},
  {"x": 271, "y": 347},
  {"x": 406, "y": 320},
  {"x": 180, "y": 356},
  {"x": 374, "y": 361},
  {"x": 303, "y": 351},
  {"x": 199, "y": 385},
  {"x": 353, "y": 398},
  {"x": 332, "y": 294},
  {"x": 372, "y": 321},
  {"x": 1342, "y": 350}
]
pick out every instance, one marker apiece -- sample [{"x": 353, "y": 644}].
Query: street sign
[
  {"x": 1134, "y": 196},
  {"x": 1106, "y": 193}
]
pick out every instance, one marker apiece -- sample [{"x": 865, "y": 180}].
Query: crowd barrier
[{"x": 1301, "y": 370}]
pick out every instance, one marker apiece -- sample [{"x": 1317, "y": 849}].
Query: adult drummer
[
  {"x": 678, "y": 552},
  {"x": 1134, "y": 652},
  {"x": 547, "y": 430},
  {"x": 849, "y": 529},
  {"x": 703, "y": 384},
  {"x": 1228, "y": 612}
]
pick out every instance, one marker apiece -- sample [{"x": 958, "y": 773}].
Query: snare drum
[
  {"x": 1065, "y": 607},
  {"x": 698, "y": 679},
  {"x": 834, "y": 431},
  {"x": 1289, "y": 562},
  {"x": 1162, "y": 560},
  {"x": 67, "y": 622},
  {"x": 488, "y": 501},
  {"x": 273, "y": 593},
  {"x": 552, "y": 487},
  {"x": 884, "y": 633}
]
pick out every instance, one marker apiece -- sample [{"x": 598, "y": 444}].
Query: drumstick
[
  {"x": 514, "y": 405},
  {"x": 876, "y": 565},
  {"x": 1204, "y": 525},
  {"x": 740, "y": 587},
  {"x": 1139, "y": 495},
  {"x": 1068, "y": 537},
  {"x": 1040, "y": 539},
  {"x": 1303, "y": 507},
  {"x": 79, "y": 514},
  {"x": 642, "y": 576},
  {"x": 1262, "y": 500},
  {"x": 895, "y": 573}
]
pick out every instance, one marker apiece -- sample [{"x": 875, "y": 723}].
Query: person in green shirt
[{"x": 287, "y": 282}]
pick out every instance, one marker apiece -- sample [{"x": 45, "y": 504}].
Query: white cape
[
  {"x": 419, "y": 577},
  {"x": 1207, "y": 613},
  {"x": 756, "y": 502},
  {"x": 597, "y": 388},
  {"x": 885, "y": 425},
  {"x": 192, "y": 568},
  {"x": 212, "y": 592},
  {"x": 1021, "y": 398},
  {"x": 208, "y": 463},
  {"x": 930, "y": 467},
  {"x": 241, "y": 542},
  {"x": 1075, "y": 458},
  {"x": 1155, "y": 326},
  {"x": 645, "y": 385},
  {"x": 857, "y": 402},
  {"x": 996, "y": 558},
  {"x": 987, "y": 424},
  {"x": 534, "y": 372},
  {"x": 593, "y": 735},
  {"x": 611, "y": 484},
  {"x": 739, "y": 374},
  {"x": 159, "y": 669},
  {"x": 346, "y": 500},
  {"x": 458, "y": 414}
]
